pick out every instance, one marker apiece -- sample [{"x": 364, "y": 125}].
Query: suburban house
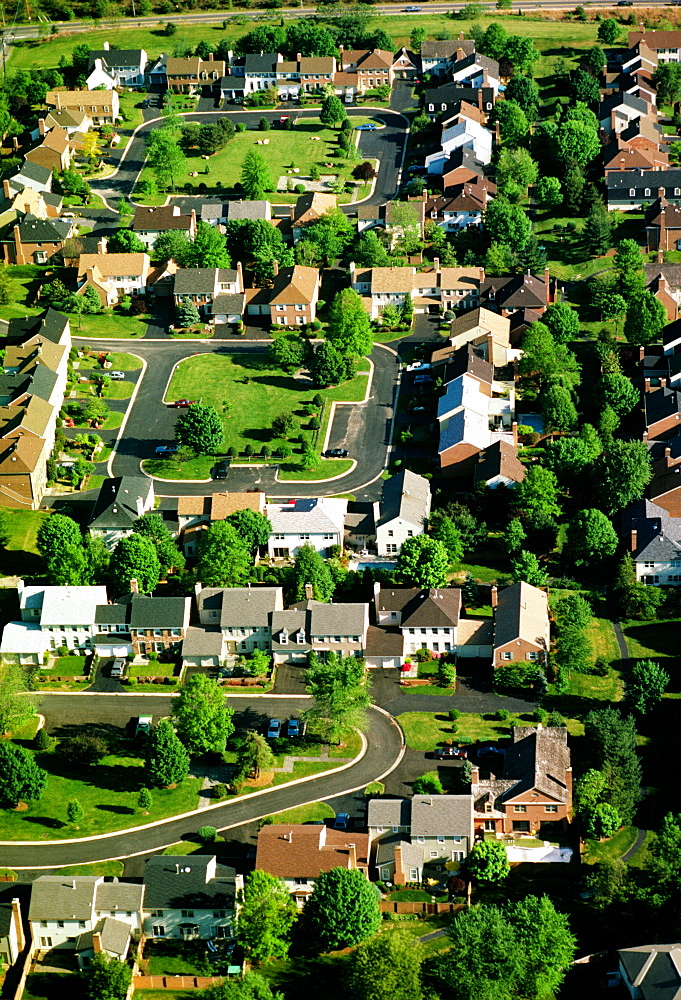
[
  {"x": 190, "y": 897},
  {"x": 29, "y": 175},
  {"x": 149, "y": 223},
  {"x": 438, "y": 57},
  {"x": 292, "y": 300},
  {"x": 633, "y": 189},
  {"x": 467, "y": 133},
  {"x": 663, "y": 224},
  {"x": 479, "y": 333},
  {"x": 36, "y": 241},
  {"x": 402, "y": 512},
  {"x": 313, "y": 626},
  {"x": 102, "y": 106},
  {"x": 405, "y": 64},
  {"x": 190, "y": 74},
  {"x": 619, "y": 156},
  {"x": 70, "y": 120},
  {"x": 441, "y": 102},
  {"x": 662, "y": 412},
  {"x": 113, "y": 275},
  {"x": 195, "y": 514},
  {"x": 427, "y": 619},
  {"x": 217, "y": 292},
  {"x": 475, "y": 71},
  {"x": 499, "y": 465},
  {"x": 474, "y": 412},
  {"x": 665, "y": 44},
  {"x": 310, "y": 208},
  {"x": 393, "y": 220},
  {"x": 110, "y": 936},
  {"x": 65, "y": 908},
  {"x": 260, "y": 70},
  {"x": 118, "y": 505},
  {"x": 55, "y": 151},
  {"x": 372, "y": 67},
  {"x": 653, "y": 537},
  {"x": 65, "y": 615},
  {"x": 617, "y": 111},
  {"x": 535, "y": 788},
  {"x": 431, "y": 291},
  {"x": 304, "y": 74},
  {"x": 507, "y": 294},
  {"x": 463, "y": 206},
  {"x": 652, "y": 971},
  {"x": 298, "y": 853},
  {"x": 309, "y": 521},
  {"x": 12, "y": 937},
  {"x": 409, "y": 834},
  {"x": 137, "y": 625},
  {"x": 521, "y": 624},
  {"x": 126, "y": 66},
  {"x": 220, "y": 213},
  {"x": 243, "y": 615},
  {"x": 43, "y": 205}
]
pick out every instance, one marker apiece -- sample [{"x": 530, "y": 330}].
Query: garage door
[{"x": 118, "y": 650}]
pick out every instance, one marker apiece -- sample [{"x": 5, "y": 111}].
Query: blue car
[
  {"x": 293, "y": 728},
  {"x": 369, "y": 127},
  {"x": 274, "y": 729},
  {"x": 342, "y": 821}
]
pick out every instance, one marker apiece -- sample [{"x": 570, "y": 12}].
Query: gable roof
[
  {"x": 70, "y": 605},
  {"x": 33, "y": 230},
  {"x": 75, "y": 98},
  {"x": 160, "y": 219},
  {"x": 58, "y": 897},
  {"x": 516, "y": 291},
  {"x": 202, "y": 280},
  {"x": 307, "y": 516},
  {"x": 116, "y": 503},
  {"x": 522, "y": 613},
  {"x": 50, "y": 325},
  {"x": 405, "y": 495},
  {"x": 239, "y": 606},
  {"x": 112, "y": 264},
  {"x": 301, "y": 851},
  {"x": 34, "y": 172},
  {"x": 500, "y": 459},
  {"x": 117, "y": 57},
  {"x": 389, "y": 812},
  {"x": 433, "y": 49},
  {"x": 437, "y": 814},
  {"x": 142, "y": 611},
  {"x": 295, "y": 284},
  {"x": 195, "y": 881},
  {"x": 658, "y": 534},
  {"x": 114, "y": 937},
  {"x": 654, "y": 970},
  {"x": 539, "y": 758},
  {"x": 311, "y": 206}
]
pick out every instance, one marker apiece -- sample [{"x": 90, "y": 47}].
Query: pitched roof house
[
  {"x": 36, "y": 241},
  {"x": 663, "y": 224},
  {"x": 192, "y": 898},
  {"x": 298, "y": 853},
  {"x": 102, "y": 106},
  {"x": 294, "y": 295},
  {"x": 402, "y": 512},
  {"x": 652, "y": 971},
  {"x": 119, "y": 503},
  {"x": 308, "y": 521},
  {"x": 242, "y": 615},
  {"x": 314, "y": 625},
  {"x": 195, "y": 514},
  {"x": 653, "y": 537},
  {"x": 63, "y": 909},
  {"x": 521, "y": 624},
  {"x": 113, "y": 275},
  {"x": 632, "y": 189},
  {"x": 499, "y": 465},
  {"x": 142, "y": 625},
  {"x": 149, "y": 223},
  {"x": 485, "y": 332}
]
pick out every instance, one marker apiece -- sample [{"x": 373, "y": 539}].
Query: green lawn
[
  {"x": 152, "y": 669},
  {"x": 326, "y": 468},
  {"x": 98, "y": 868},
  {"x": 18, "y": 533},
  {"x": 26, "y": 730},
  {"x": 426, "y": 730},
  {"x": 24, "y": 282},
  {"x": 304, "y": 814},
  {"x": 173, "y": 958},
  {"x": 71, "y": 666},
  {"x": 611, "y": 849},
  {"x": 114, "y": 419},
  {"x": 120, "y": 361},
  {"x": 107, "y": 792},
  {"x": 112, "y": 326},
  {"x": 164, "y": 994}
]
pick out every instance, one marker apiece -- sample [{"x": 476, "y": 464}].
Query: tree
[
  {"x": 544, "y": 361},
  {"x": 427, "y": 784},
  {"x": 165, "y": 157},
  {"x": 349, "y": 328},
  {"x": 333, "y": 111},
  {"x": 288, "y": 352},
  {"x": 590, "y": 537},
  {"x": 153, "y": 526},
  {"x": 387, "y": 968},
  {"x": 472, "y": 531},
  {"x": 255, "y": 755},
  {"x": 327, "y": 366},
  {"x": 549, "y": 192},
  {"x": 144, "y": 800},
  {"x": 186, "y": 313},
  {"x": 369, "y": 251},
  {"x": 84, "y": 750},
  {"x": 507, "y": 223},
  {"x": 74, "y": 812},
  {"x": 621, "y": 474},
  {"x": 125, "y": 241},
  {"x": 171, "y": 245},
  {"x": 445, "y": 531},
  {"x": 613, "y": 741},
  {"x": 254, "y": 528},
  {"x": 521, "y": 52},
  {"x": 589, "y": 790},
  {"x": 207, "y": 249},
  {"x": 576, "y": 141},
  {"x": 628, "y": 264},
  {"x": 256, "y": 179},
  {"x": 538, "y": 492},
  {"x": 342, "y": 910},
  {"x": 106, "y": 978},
  {"x": 608, "y": 31},
  {"x": 558, "y": 409},
  {"x": 646, "y": 316},
  {"x": 525, "y": 92},
  {"x": 20, "y": 776},
  {"x": 646, "y": 684},
  {"x": 202, "y": 716},
  {"x": 134, "y": 558},
  {"x": 16, "y": 706},
  {"x": 339, "y": 689},
  {"x": 514, "y": 536},
  {"x": 416, "y": 39},
  {"x": 310, "y": 568},
  {"x": 585, "y": 87},
  {"x": 252, "y": 986},
  {"x": 617, "y": 391},
  {"x": 493, "y": 41},
  {"x": 423, "y": 562},
  {"x": 267, "y": 914},
  {"x": 200, "y": 428},
  {"x": 224, "y": 557},
  {"x": 525, "y": 566},
  {"x": 513, "y": 123},
  {"x": 598, "y": 230},
  {"x": 488, "y": 861},
  {"x": 602, "y": 820},
  {"x": 595, "y": 60},
  {"x": 666, "y": 852},
  {"x": 72, "y": 183},
  {"x": 61, "y": 544},
  {"x": 167, "y": 760},
  {"x": 95, "y": 410},
  {"x": 667, "y": 81},
  {"x": 562, "y": 321},
  {"x": 518, "y": 166}
]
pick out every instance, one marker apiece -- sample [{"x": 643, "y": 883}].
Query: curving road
[{"x": 386, "y": 748}]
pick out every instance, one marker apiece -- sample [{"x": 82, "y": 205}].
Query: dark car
[
  {"x": 221, "y": 469},
  {"x": 336, "y": 453},
  {"x": 491, "y": 754},
  {"x": 342, "y": 821},
  {"x": 293, "y": 728},
  {"x": 166, "y": 449},
  {"x": 445, "y": 753},
  {"x": 182, "y": 402}
]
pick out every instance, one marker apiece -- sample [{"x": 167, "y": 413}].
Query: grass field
[
  {"x": 18, "y": 533},
  {"x": 24, "y": 282},
  {"x": 120, "y": 361},
  {"x": 112, "y": 326},
  {"x": 304, "y": 814},
  {"x": 611, "y": 849},
  {"x": 426, "y": 730},
  {"x": 98, "y": 868}
]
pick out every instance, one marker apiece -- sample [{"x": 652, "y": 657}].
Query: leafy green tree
[
  {"x": 488, "y": 861},
  {"x": 135, "y": 558},
  {"x": 576, "y": 141},
  {"x": 423, "y": 562},
  {"x": 310, "y": 568},
  {"x": 333, "y": 111},
  {"x": 105, "y": 979},
  {"x": 84, "y": 750},
  {"x": 507, "y": 223},
  {"x": 167, "y": 760},
  {"x": 472, "y": 531},
  {"x": 340, "y": 693},
  {"x": 584, "y": 87},
  {"x": 513, "y": 123},
  {"x": 199, "y": 427},
  {"x": 493, "y": 41},
  {"x": 252, "y": 986},
  {"x": 538, "y": 492},
  {"x": 470, "y": 592},
  {"x": 165, "y": 157},
  {"x": 612, "y": 738},
  {"x": 619, "y": 392},
  {"x": 427, "y": 784},
  {"x": 590, "y": 537},
  {"x": 628, "y": 264},
  {"x": 621, "y": 474},
  {"x": 60, "y": 542},
  {"x": 558, "y": 408},
  {"x": 255, "y": 755},
  {"x": 74, "y": 812},
  {"x": 254, "y": 528},
  {"x": 20, "y": 776},
  {"x": 646, "y": 317},
  {"x": 224, "y": 557},
  {"x": 349, "y": 328},
  {"x": 608, "y": 31},
  {"x": 589, "y": 790},
  {"x": 521, "y": 52},
  {"x": 598, "y": 230},
  {"x": 125, "y": 241},
  {"x": 416, "y": 39},
  {"x": 256, "y": 179},
  {"x": 342, "y": 910},
  {"x": 518, "y": 165},
  {"x": 667, "y": 81},
  {"x": 171, "y": 245},
  {"x": 562, "y": 321},
  {"x": 153, "y": 526},
  {"x": 202, "y": 716},
  {"x": 525, "y": 92},
  {"x": 445, "y": 531},
  {"x": 266, "y": 918},
  {"x": 514, "y": 536},
  {"x": 288, "y": 352},
  {"x": 327, "y": 366},
  {"x": 595, "y": 60},
  {"x": 387, "y": 968},
  {"x": 666, "y": 852},
  {"x": 207, "y": 249},
  {"x": 525, "y": 566},
  {"x": 549, "y": 192},
  {"x": 545, "y": 361},
  {"x": 646, "y": 684},
  {"x": 144, "y": 800},
  {"x": 369, "y": 251},
  {"x": 602, "y": 820}
]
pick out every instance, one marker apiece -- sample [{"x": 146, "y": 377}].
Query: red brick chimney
[
  {"x": 97, "y": 942},
  {"x": 493, "y": 599},
  {"x": 18, "y": 925},
  {"x": 399, "y": 876},
  {"x": 633, "y": 539},
  {"x": 646, "y": 385}
]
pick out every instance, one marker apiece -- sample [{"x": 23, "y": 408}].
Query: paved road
[{"x": 386, "y": 747}]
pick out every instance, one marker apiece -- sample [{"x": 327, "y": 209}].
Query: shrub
[
  {"x": 427, "y": 784},
  {"x": 555, "y": 719},
  {"x": 540, "y": 716},
  {"x": 220, "y": 791},
  {"x": 454, "y": 714},
  {"x": 299, "y": 189},
  {"x": 84, "y": 749},
  {"x": 503, "y": 715},
  {"x": 600, "y": 667},
  {"x": 208, "y": 834},
  {"x": 43, "y": 740}
]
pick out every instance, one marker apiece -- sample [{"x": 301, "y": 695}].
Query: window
[
  {"x": 677, "y": 192},
  {"x": 157, "y": 913},
  {"x": 632, "y": 192},
  {"x": 396, "y": 829},
  {"x": 81, "y": 923},
  {"x": 433, "y": 854},
  {"x": 490, "y": 825},
  {"x": 412, "y": 631},
  {"x": 551, "y": 809},
  {"x": 43, "y": 923},
  {"x": 222, "y": 931},
  {"x": 410, "y": 534},
  {"x": 379, "y": 829},
  {"x": 519, "y": 809},
  {"x": 532, "y": 655},
  {"x": 158, "y": 930},
  {"x": 46, "y": 942},
  {"x": 440, "y": 838},
  {"x": 505, "y": 656},
  {"x": 390, "y": 534},
  {"x": 187, "y": 913},
  {"x": 458, "y": 856},
  {"x": 488, "y": 807},
  {"x": 420, "y": 840},
  {"x": 436, "y": 647},
  {"x": 219, "y": 913},
  {"x": 646, "y": 192},
  {"x": 60, "y": 923}
]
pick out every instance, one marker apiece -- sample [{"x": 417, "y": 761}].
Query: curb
[
  {"x": 165, "y": 694},
  {"x": 131, "y": 403}
]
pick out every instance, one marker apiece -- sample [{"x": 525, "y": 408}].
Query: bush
[
  {"x": 555, "y": 719},
  {"x": 299, "y": 189},
  {"x": 220, "y": 791},
  {"x": 503, "y": 715},
  {"x": 208, "y": 834},
  {"x": 427, "y": 784},
  {"x": 600, "y": 667},
  {"x": 85, "y": 749},
  {"x": 43, "y": 740},
  {"x": 454, "y": 714}
]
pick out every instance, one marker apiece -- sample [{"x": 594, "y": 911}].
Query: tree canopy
[
  {"x": 224, "y": 556},
  {"x": 202, "y": 716},
  {"x": 342, "y": 910},
  {"x": 20, "y": 776},
  {"x": 423, "y": 561},
  {"x": 135, "y": 558},
  {"x": 340, "y": 692}
]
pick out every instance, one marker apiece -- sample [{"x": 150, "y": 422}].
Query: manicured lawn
[
  {"x": 131, "y": 110},
  {"x": 326, "y": 468},
  {"x": 168, "y": 468},
  {"x": 652, "y": 639},
  {"x": 304, "y": 814},
  {"x": 173, "y": 958},
  {"x": 152, "y": 669},
  {"x": 302, "y": 769},
  {"x": 164, "y": 994},
  {"x": 410, "y": 896},
  {"x": 611, "y": 849},
  {"x": 114, "y": 419},
  {"x": 70, "y": 666},
  {"x": 107, "y": 792},
  {"x": 350, "y": 746},
  {"x": 112, "y": 326},
  {"x": 18, "y": 533},
  {"x": 426, "y": 730},
  {"x": 98, "y": 868},
  {"x": 24, "y": 282},
  {"x": 120, "y": 361},
  {"x": 26, "y": 730}
]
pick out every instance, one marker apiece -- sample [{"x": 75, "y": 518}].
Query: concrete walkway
[
  {"x": 636, "y": 846},
  {"x": 442, "y": 932}
]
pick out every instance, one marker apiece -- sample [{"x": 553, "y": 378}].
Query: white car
[
  {"x": 116, "y": 376},
  {"x": 417, "y": 365}
]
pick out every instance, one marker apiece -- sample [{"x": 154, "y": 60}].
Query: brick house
[
  {"x": 373, "y": 67},
  {"x": 142, "y": 624},
  {"x": 36, "y": 241},
  {"x": 521, "y": 624},
  {"x": 620, "y": 156},
  {"x": 102, "y": 106},
  {"x": 662, "y": 412},
  {"x": 294, "y": 295},
  {"x": 190, "y": 74},
  {"x": 535, "y": 788},
  {"x": 663, "y": 224}
]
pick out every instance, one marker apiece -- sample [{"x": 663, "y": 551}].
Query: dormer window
[
  {"x": 300, "y": 637},
  {"x": 283, "y": 637}
]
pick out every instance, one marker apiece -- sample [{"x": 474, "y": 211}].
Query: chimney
[
  {"x": 210, "y": 57},
  {"x": 646, "y": 385},
  {"x": 475, "y": 775},
  {"x": 667, "y": 452},
  {"x": 106, "y": 46},
  {"x": 660, "y": 255},
  {"x": 275, "y": 267},
  {"x": 547, "y": 282},
  {"x": 514, "y": 431},
  {"x": 493, "y": 596},
  {"x": 424, "y": 195},
  {"x": 96, "y": 942},
  {"x": 352, "y": 861},
  {"x": 461, "y": 36},
  {"x": 298, "y": 56},
  {"x": 633, "y": 539},
  {"x": 309, "y": 592},
  {"x": 140, "y": 506},
  {"x": 436, "y": 264},
  {"x": 5, "y": 188},
  {"x": 18, "y": 925},
  {"x": 239, "y": 276},
  {"x": 489, "y": 340},
  {"x": 134, "y": 586},
  {"x": 198, "y": 587},
  {"x": 41, "y": 126},
  {"x": 398, "y": 877}
]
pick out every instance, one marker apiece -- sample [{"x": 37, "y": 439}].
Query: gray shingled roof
[
  {"x": 343, "y": 619},
  {"x": 307, "y": 517},
  {"x": 34, "y": 172},
  {"x": 117, "y": 895},
  {"x": 240, "y": 606},
  {"x": 201, "y": 280},
  {"x": 436, "y": 814},
  {"x": 389, "y": 812},
  {"x": 116, "y": 57},
  {"x": 433, "y": 608},
  {"x": 116, "y": 503},
  {"x": 658, "y": 534},
  {"x": 229, "y": 303},
  {"x": 262, "y": 62},
  {"x": 56, "y": 897},
  {"x": 34, "y": 230},
  {"x": 179, "y": 883},
  {"x": 202, "y": 642},
  {"x": 405, "y": 495},
  {"x": 43, "y": 381},
  {"x": 114, "y": 935},
  {"x": 654, "y": 969},
  {"x": 50, "y": 325}
]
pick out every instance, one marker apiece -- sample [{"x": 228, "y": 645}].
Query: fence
[
  {"x": 175, "y": 982},
  {"x": 430, "y": 909}
]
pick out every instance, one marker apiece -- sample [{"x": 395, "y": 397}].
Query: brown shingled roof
[{"x": 300, "y": 851}]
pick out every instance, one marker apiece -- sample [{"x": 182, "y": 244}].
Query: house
[
  {"x": 632, "y": 189},
  {"x": 372, "y": 67},
  {"x": 438, "y": 57},
  {"x": 304, "y": 74},
  {"x": 521, "y": 625},
  {"x": 137, "y": 625},
  {"x": 479, "y": 333},
  {"x": 12, "y": 936},
  {"x": 475, "y": 71},
  {"x": 668, "y": 295},
  {"x": 663, "y": 225},
  {"x": 29, "y": 175},
  {"x": 405, "y": 65},
  {"x": 664, "y": 488},
  {"x": 652, "y": 971},
  {"x": 243, "y": 615},
  {"x": 119, "y": 503},
  {"x": 619, "y": 156},
  {"x": 617, "y": 111},
  {"x": 463, "y": 206},
  {"x": 534, "y": 792},
  {"x": 217, "y": 292},
  {"x": 149, "y": 223},
  {"x": 407, "y": 835},
  {"x": 64, "y": 908},
  {"x": 309, "y": 521},
  {"x": 36, "y": 241},
  {"x": 474, "y": 412},
  {"x": 70, "y": 120},
  {"x": 66, "y": 615},
  {"x": 101, "y": 106},
  {"x": 461, "y": 168},
  {"x": 260, "y": 71},
  {"x": 507, "y": 294},
  {"x": 220, "y": 213},
  {"x": 42, "y": 205},
  {"x": 109, "y": 936},
  {"x": 395, "y": 217},
  {"x": 432, "y": 291},
  {"x": 55, "y": 151},
  {"x": 294, "y": 295},
  {"x": 113, "y": 275},
  {"x": 662, "y": 412},
  {"x": 309, "y": 208},
  {"x": 196, "y": 513},
  {"x": 427, "y": 619},
  {"x": 402, "y": 512},
  {"x": 643, "y": 133},
  {"x": 499, "y": 465},
  {"x": 126, "y": 66},
  {"x": 653, "y": 537},
  {"x": 312, "y": 626},
  {"x": 464, "y": 132},
  {"x": 190, "y": 74},
  {"x": 665, "y": 44},
  {"x": 298, "y": 853},
  {"x": 442, "y": 102},
  {"x": 193, "y": 897}
]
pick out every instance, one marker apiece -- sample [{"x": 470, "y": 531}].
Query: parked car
[
  {"x": 342, "y": 821},
  {"x": 182, "y": 402},
  {"x": 293, "y": 728},
  {"x": 336, "y": 453},
  {"x": 411, "y": 10},
  {"x": 445, "y": 753},
  {"x": 274, "y": 729},
  {"x": 166, "y": 449},
  {"x": 117, "y": 668},
  {"x": 490, "y": 753},
  {"x": 221, "y": 469},
  {"x": 368, "y": 127},
  {"x": 418, "y": 366},
  {"x": 283, "y": 119},
  {"x": 418, "y": 409},
  {"x": 143, "y": 727},
  {"x": 116, "y": 376}
]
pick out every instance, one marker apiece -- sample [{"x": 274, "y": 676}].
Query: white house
[
  {"x": 653, "y": 537},
  {"x": 190, "y": 897},
  {"x": 11, "y": 932},
  {"x": 476, "y": 71},
  {"x": 316, "y": 522},
  {"x": 467, "y": 133},
  {"x": 100, "y": 76},
  {"x": 113, "y": 275},
  {"x": 65, "y": 907},
  {"x": 124, "y": 67},
  {"x": 66, "y": 614},
  {"x": 120, "y": 502},
  {"x": 402, "y": 512},
  {"x": 427, "y": 619},
  {"x": 314, "y": 626},
  {"x": 241, "y": 614}
]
